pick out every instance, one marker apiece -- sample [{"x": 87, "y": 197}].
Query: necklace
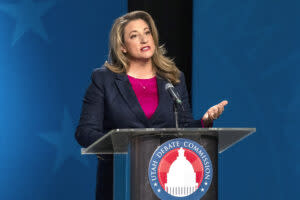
[{"x": 142, "y": 83}]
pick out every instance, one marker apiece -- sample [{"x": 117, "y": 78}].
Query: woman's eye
[
  {"x": 132, "y": 36},
  {"x": 148, "y": 32}
]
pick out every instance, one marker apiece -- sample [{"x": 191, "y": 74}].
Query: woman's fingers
[
  {"x": 221, "y": 107},
  {"x": 211, "y": 114},
  {"x": 215, "y": 111},
  {"x": 223, "y": 103}
]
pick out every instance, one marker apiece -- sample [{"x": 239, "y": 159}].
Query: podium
[{"x": 141, "y": 144}]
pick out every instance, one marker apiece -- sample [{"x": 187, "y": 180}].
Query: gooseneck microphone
[
  {"x": 177, "y": 101},
  {"x": 170, "y": 88}
]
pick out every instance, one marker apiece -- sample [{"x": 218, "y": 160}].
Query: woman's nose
[{"x": 143, "y": 39}]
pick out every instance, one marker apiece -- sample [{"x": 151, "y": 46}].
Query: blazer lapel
[
  {"x": 163, "y": 98},
  {"x": 130, "y": 98}
]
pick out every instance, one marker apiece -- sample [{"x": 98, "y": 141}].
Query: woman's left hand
[{"x": 214, "y": 112}]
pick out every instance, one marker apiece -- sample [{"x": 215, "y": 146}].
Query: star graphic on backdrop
[
  {"x": 28, "y": 17},
  {"x": 202, "y": 189},
  {"x": 64, "y": 142}
]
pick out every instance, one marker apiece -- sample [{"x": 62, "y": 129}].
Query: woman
[{"x": 129, "y": 91}]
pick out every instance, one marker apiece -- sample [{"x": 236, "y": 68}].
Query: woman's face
[{"x": 138, "y": 40}]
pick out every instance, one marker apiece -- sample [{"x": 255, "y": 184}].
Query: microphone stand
[{"x": 175, "y": 107}]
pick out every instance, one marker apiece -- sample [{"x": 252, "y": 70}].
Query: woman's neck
[{"x": 141, "y": 69}]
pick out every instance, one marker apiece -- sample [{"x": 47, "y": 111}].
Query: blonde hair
[{"x": 119, "y": 63}]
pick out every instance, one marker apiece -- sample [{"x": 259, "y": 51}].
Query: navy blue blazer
[{"x": 110, "y": 103}]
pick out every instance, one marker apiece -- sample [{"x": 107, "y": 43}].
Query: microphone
[{"x": 170, "y": 88}]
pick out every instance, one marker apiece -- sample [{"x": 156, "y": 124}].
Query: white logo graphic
[{"x": 181, "y": 179}]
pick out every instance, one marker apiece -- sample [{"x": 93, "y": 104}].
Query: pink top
[{"x": 146, "y": 93}]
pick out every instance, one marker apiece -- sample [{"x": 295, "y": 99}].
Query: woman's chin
[{"x": 142, "y": 59}]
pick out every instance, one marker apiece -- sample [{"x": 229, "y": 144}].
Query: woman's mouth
[{"x": 146, "y": 48}]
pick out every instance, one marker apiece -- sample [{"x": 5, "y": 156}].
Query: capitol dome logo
[{"x": 180, "y": 169}]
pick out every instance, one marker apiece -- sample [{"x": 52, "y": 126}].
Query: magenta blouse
[{"x": 146, "y": 93}]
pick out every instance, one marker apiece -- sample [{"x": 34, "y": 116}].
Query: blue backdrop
[
  {"x": 48, "y": 50},
  {"x": 244, "y": 51},
  {"x": 248, "y": 52}
]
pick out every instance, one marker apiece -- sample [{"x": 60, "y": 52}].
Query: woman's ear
[{"x": 123, "y": 49}]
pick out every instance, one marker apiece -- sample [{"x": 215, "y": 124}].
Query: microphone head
[
  {"x": 168, "y": 85},
  {"x": 170, "y": 88}
]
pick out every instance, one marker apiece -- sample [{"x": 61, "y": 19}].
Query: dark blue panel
[{"x": 248, "y": 52}]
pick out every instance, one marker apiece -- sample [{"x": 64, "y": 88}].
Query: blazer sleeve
[
  {"x": 185, "y": 115},
  {"x": 90, "y": 127}
]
